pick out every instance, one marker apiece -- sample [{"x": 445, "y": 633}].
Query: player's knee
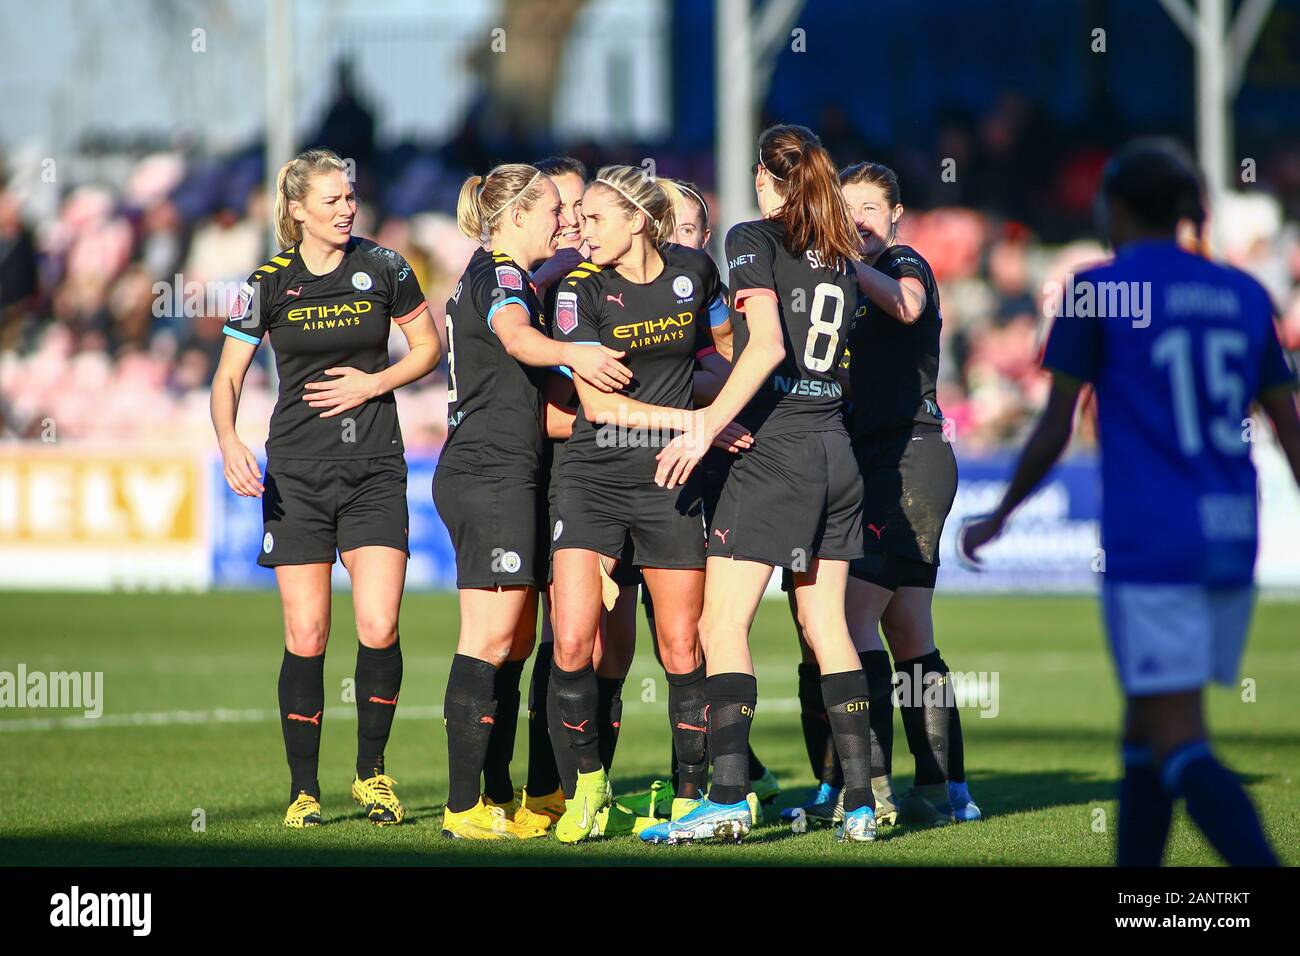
[
  {"x": 306, "y": 636},
  {"x": 377, "y": 629},
  {"x": 679, "y": 649}
]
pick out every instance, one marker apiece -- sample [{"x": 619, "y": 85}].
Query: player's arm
[
  {"x": 1045, "y": 445},
  {"x": 1279, "y": 405},
  {"x": 710, "y": 375},
  {"x": 352, "y": 387},
  {"x": 592, "y": 362},
  {"x": 242, "y": 473},
  {"x": 557, "y": 395},
  {"x": 903, "y": 298}
]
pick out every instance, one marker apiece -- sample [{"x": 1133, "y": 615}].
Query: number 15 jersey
[{"x": 815, "y": 301}]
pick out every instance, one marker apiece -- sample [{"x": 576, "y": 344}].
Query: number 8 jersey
[{"x": 816, "y": 302}]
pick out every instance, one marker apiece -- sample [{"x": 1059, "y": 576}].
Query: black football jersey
[
  {"x": 895, "y": 366},
  {"x": 815, "y": 301},
  {"x": 328, "y": 321},
  {"x": 662, "y": 325},
  {"x": 494, "y": 402}
]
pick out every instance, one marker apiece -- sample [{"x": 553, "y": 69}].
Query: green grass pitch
[{"x": 124, "y": 790}]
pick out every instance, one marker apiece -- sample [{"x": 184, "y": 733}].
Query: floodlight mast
[
  {"x": 745, "y": 47},
  {"x": 279, "y": 73},
  {"x": 1222, "y": 50}
]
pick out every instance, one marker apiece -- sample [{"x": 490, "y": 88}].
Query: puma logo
[
  {"x": 580, "y": 728},
  {"x": 314, "y": 721},
  {"x": 297, "y": 291},
  {"x": 380, "y": 700},
  {"x": 722, "y": 534},
  {"x": 879, "y": 531},
  {"x": 615, "y": 298}
]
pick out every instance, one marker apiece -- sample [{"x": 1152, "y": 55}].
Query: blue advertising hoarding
[{"x": 1050, "y": 545}]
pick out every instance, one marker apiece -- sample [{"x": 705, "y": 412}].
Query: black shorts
[
  {"x": 637, "y": 522},
  {"x": 790, "y": 499},
  {"x": 497, "y": 527},
  {"x": 909, "y": 481},
  {"x": 314, "y": 508}
]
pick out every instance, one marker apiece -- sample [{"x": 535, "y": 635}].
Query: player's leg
[
  {"x": 489, "y": 621},
  {"x": 656, "y": 801},
  {"x": 305, "y": 598},
  {"x": 865, "y": 601},
  {"x": 498, "y": 787},
  {"x": 612, "y": 659},
  {"x": 543, "y": 792},
  {"x": 378, "y": 577},
  {"x": 819, "y": 598},
  {"x": 733, "y": 589},
  {"x": 574, "y": 689},
  {"x": 926, "y": 702},
  {"x": 823, "y": 806}
]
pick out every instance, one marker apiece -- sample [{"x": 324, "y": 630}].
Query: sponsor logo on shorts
[
  {"x": 559, "y": 530},
  {"x": 722, "y": 535},
  {"x": 268, "y": 543},
  {"x": 508, "y": 277},
  {"x": 879, "y": 531},
  {"x": 566, "y": 311},
  {"x": 361, "y": 281},
  {"x": 683, "y": 287}
]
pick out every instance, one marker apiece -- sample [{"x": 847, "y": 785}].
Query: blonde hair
[
  {"x": 292, "y": 185},
  {"x": 484, "y": 198},
  {"x": 635, "y": 191}
]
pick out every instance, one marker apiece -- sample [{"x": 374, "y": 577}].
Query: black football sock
[
  {"x": 1145, "y": 810},
  {"x": 815, "y": 725},
  {"x": 925, "y": 708},
  {"x": 676, "y": 766},
  {"x": 543, "y": 774},
  {"x": 609, "y": 715},
  {"x": 731, "y": 699},
  {"x": 574, "y": 701},
  {"x": 956, "y": 744},
  {"x": 1218, "y": 805},
  {"x": 566, "y": 761},
  {"x": 880, "y": 688},
  {"x": 378, "y": 682},
  {"x": 470, "y": 713},
  {"x": 850, "y": 717},
  {"x": 497, "y": 785},
  {"x": 686, "y": 717},
  {"x": 302, "y": 707}
]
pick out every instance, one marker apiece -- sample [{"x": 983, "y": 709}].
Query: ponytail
[
  {"x": 483, "y": 199},
  {"x": 813, "y": 210}
]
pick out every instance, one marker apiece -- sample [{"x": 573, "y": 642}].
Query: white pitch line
[{"x": 222, "y": 715}]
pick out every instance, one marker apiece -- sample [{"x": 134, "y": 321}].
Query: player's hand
[
  {"x": 680, "y": 456},
  {"x": 734, "y": 438},
  {"x": 242, "y": 474},
  {"x": 351, "y": 388},
  {"x": 973, "y": 535},
  {"x": 599, "y": 366}
]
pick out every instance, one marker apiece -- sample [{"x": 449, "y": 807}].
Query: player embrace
[
  {"x": 795, "y": 499},
  {"x": 1179, "y": 520}
]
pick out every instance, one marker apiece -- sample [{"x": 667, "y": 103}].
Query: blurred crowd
[{"x": 111, "y": 307}]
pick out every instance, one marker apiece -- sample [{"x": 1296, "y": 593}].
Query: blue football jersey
[{"x": 1177, "y": 347}]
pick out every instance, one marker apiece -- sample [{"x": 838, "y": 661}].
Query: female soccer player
[
  {"x": 486, "y": 488},
  {"x": 548, "y": 781},
  {"x": 795, "y": 499},
  {"x": 652, "y": 300},
  {"x": 335, "y": 472},
  {"x": 909, "y": 476},
  {"x": 691, "y": 214},
  {"x": 1174, "y": 387}
]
